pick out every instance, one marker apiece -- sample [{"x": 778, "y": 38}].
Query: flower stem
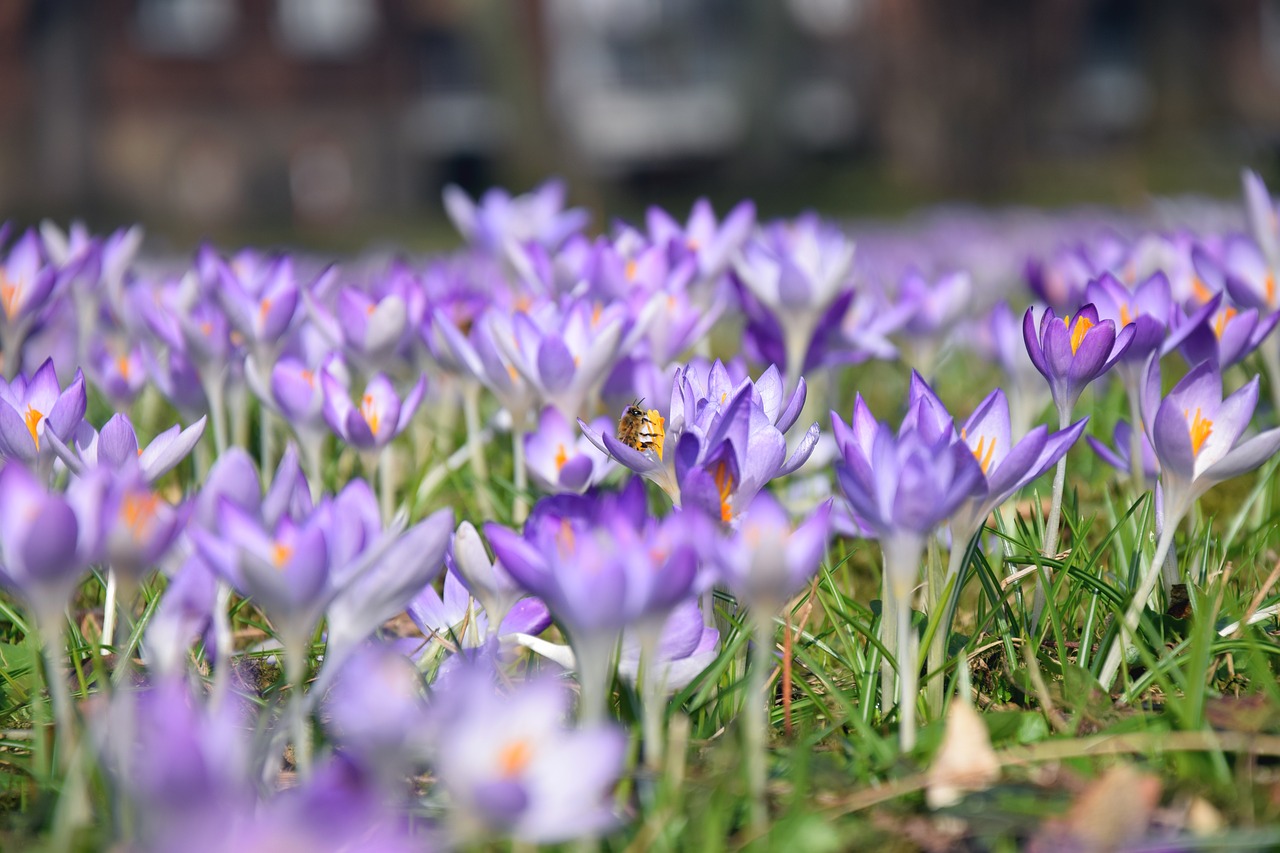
[
  {"x": 295, "y": 671},
  {"x": 1050, "y": 547},
  {"x": 594, "y": 655},
  {"x": 387, "y": 483},
  {"x": 214, "y": 388},
  {"x": 266, "y": 439},
  {"x": 1136, "y": 472},
  {"x": 475, "y": 445},
  {"x": 108, "y": 614},
  {"x": 520, "y": 504},
  {"x": 224, "y": 644},
  {"x": 901, "y": 573},
  {"x": 652, "y": 695},
  {"x": 908, "y": 676},
  {"x": 755, "y": 715},
  {"x": 53, "y": 648},
  {"x": 1146, "y": 585}
]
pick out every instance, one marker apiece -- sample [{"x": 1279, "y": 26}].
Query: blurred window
[
  {"x": 326, "y": 29},
  {"x": 185, "y": 28}
]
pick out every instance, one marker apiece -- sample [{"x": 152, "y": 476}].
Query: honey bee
[{"x": 642, "y": 430}]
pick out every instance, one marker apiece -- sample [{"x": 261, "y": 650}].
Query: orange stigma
[
  {"x": 10, "y": 293},
  {"x": 137, "y": 510},
  {"x": 1220, "y": 321},
  {"x": 561, "y": 456},
  {"x": 33, "y": 419}
]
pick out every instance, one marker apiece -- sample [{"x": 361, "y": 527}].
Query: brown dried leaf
[{"x": 965, "y": 761}]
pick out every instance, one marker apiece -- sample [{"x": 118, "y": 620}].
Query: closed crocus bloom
[
  {"x": 560, "y": 459},
  {"x": 1226, "y": 335},
  {"x": 29, "y": 405},
  {"x": 26, "y": 282},
  {"x": 47, "y": 541},
  {"x": 712, "y": 243},
  {"x": 1117, "y": 454},
  {"x": 115, "y": 448},
  {"x": 260, "y": 298},
  {"x": 1264, "y": 221},
  {"x": 140, "y": 526}
]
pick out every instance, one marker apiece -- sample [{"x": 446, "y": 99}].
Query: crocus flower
[
  {"x": 453, "y": 616},
  {"x": 1227, "y": 336},
  {"x": 712, "y": 243},
  {"x": 47, "y": 541},
  {"x": 999, "y": 338},
  {"x": 26, "y": 281},
  {"x": 1074, "y": 352},
  {"x": 602, "y": 564},
  {"x": 1263, "y": 216},
  {"x": 797, "y": 273},
  {"x": 1117, "y": 454},
  {"x": 561, "y": 460},
  {"x": 118, "y": 372},
  {"x": 768, "y": 559},
  {"x": 377, "y": 708},
  {"x": 260, "y": 300},
  {"x": 26, "y": 405},
  {"x": 512, "y": 767},
  {"x": 687, "y": 646},
  {"x": 732, "y": 434},
  {"x": 381, "y": 415},
  {"x": 115, "y": 448},
  {"x": 500, "y": 220},
  {"x": 1198, "y": 437}
]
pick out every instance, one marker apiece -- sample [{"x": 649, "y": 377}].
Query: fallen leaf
[{"x": 964, "y": 762}]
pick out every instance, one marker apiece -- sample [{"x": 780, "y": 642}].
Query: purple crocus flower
[
  {"x": 768, "y": 559},
  {"x": 453, "y": 616},
  {"x": 381, "y": 415},
  {"x": 26, "y": 282},
  {"x": 797, "y": 277},
  {"x": 712, "y": 243},
  {"x": 115, "y": 448},
  {"x": 185, "y": 613},
  {"x": 377, "y": 708},
  {"x": 119, "y": 372},
  {"x": 1198, "y": 437},
  {"x": 512, "y": 767},
  {"x": 560, "y": 459},
  {"x": 1118, "y": 453},
  {"x": 260, "y": 299},
  {"x": 686, "y": 647},
  {"x": 1226, "y": 336},
  {"x": 1007, "y": 465},
  {"x": 726, "y": 439},
  {"x": 30, "y": 406},
  {"x": 932, "y": 309},
  {"x": 371, "y": 329},
  {"x": 1072, "y": 353},
  {"x": 47, "y": 541},
  {"x": 1264, "y": 217},
  {"x": 501, "y": 220}
]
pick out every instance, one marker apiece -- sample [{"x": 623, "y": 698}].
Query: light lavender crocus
[
  {"x": 26, "y": 282},
  {"x": 30, "y": 406},
  {"x": 562, "y": 460},
  {"x": 798, "y": 272},
  {"x": 903, "y": 487},
  {"x": 1198, "y": 437},
  {"x": 513, "y": 768},
  {"x": 500, "y": 220}
]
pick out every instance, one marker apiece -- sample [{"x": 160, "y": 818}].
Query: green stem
[
  {"x": 908, "y": 676},
  {"x": 53, "y": 648},
  {"x": 595, "y": 656},
  {"x": 1136, "y": 472},
  {"x": 387, "y": 483},
  {"x": 653, "y": 696},
  {"x": 266, "y": 439},
  {"x": 1050, "y": 548}
]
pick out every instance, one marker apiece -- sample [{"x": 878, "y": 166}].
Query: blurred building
[{"x": 320, "y": 111}]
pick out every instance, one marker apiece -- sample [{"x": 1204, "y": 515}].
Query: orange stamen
[
  {"x": 561, "y": 457},
  {"x": 1220, "y": 321},
  {"x": 1200, "y": 429},
  {"x": 632, "y": 266},
  {"x": 984, "y": 458},
  {"x": 725, "y": 484},
  {"x": 514, "y": 758},
  {"x": 1270, "y": 286},
  {"x": 1125, "y": 317},
  {"x": 1078, "y": 330},
  {"x": 1203, "y": 293},
  {"x": 370, "y": 412},
  {"x": 309, "y": 378},
  {"x": 122, "y": 365},
  {"x": 9, "y": 295},
  {"x": 264, "y": 307},
  {"x": 280, "y": 554},
  {"x": 136, "y": 511}
]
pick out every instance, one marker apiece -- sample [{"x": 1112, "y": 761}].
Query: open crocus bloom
[
  {"x": 380, "y": 415},
  {"x": 1197, "y": 434},
  {"x": 1074, "y": 352},
  {"x": 26, "y": 403}
]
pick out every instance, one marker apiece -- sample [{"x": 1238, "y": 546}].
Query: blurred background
[{"x": 338, "y": 122}]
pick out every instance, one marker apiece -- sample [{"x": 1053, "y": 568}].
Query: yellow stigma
[
  {"x": 561, "y": 456},
  {"x": 264, "y": 307},
  {"x": 1200, "y": 429},
  {"x": 1125, "y": 317},
  {"x": 984, "y": 458},
  {"x": 33, "y": 419},
  {"x": 370, "y": 412},
  {"x": 725, "y": 484},
  {"x": 280, "y": 554},
  {"x": 1078, "y": 330},
  {"x": 514, "y": 758}
]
